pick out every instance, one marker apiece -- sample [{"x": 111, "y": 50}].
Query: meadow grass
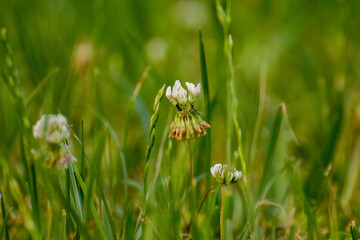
[{"x": 279, "y": 91}]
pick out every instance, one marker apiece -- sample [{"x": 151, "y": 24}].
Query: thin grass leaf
[
  {"x": 118, "y": 144},
  {"x": 84, "y": 188},
  {"x": 206, "y": 91},
  {"x": 95, "y": 169},
  {"x": 5, "y": 217},
  {"x": 63, "y": 224},
  {"x": 110, "y": 217},
  {"x": 76, "y": 192},
  {"x": 92, "y": 206},
  {"x": 82, "y": 160},
  {"x": 69, "y": 208},
  {"x": 131, "y": 103},
  {"x": 272, "y": 149},
  {"x": 4, "y": 226},
  {"x": 354, "y": 232},
  {"x": 106, "y": 221},
  {"x": 38, "y": 88}
]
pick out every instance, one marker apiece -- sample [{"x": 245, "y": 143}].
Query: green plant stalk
[
  {"x": 192, "y": 197},
  {"x": 84, "y": 188},
  {"x": 4, "y": 217},
  {"x": 354, "y": 233},
  {"x": 10, "y": 76},
  {"x": 222, "y": 214},
  {"x": 153, "y": 122},
  {"x": 67, "y": 196},
  {"x": 225, "y": 21},
  {"x": 82, "y": 162},
  {"x": 63, "y": 224},
  {"x": 249, "y": 200}
]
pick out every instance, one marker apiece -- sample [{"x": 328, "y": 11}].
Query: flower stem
[
  {"x": 192, "y": 183},
  {"x": 222, "y": 213}
]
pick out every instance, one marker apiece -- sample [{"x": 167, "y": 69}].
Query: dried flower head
[
  {"x": 52, "y": 130},
  {"x": 224, "y": 174},
  {"x": 188, "y": 123}
]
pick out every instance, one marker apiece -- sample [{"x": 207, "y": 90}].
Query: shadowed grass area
[{"x": 280, "y": 84}]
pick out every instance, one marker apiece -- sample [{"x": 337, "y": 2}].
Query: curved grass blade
[
  {"x": 131, "y": 103},
  {"x": 4, "y": 226}
]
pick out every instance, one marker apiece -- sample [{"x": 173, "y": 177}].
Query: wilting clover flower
[
  {"x": 224, "y": 174},
  {"x": 188, "y": 123},
  {"x": 52, "y": 130}
]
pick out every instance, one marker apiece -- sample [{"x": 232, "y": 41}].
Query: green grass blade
[
  {"x": 107, "y": 226},
  {"x": 95, "y": 169},
  {"x": 109, "y": 214},
  {"x": 76, "y": 192},
  {"x": 131, "y": 104},
  {"x": 5, "y": 217},
  {"x": 69, "y": 208},
  {"x": 63, "y": 224},
  {"x": 82, "y": 160},
  {"x": 4, "y": 226},
  {"x": 354, "y": 232},
  {"x": 205, "y": 83},
  {"x": 118, "y": 144},
  {"x": 92, "y": 206},
  {"x": 272, "y": 149}
]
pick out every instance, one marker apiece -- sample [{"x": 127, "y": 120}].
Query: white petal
[
  {"x": 168, "y": 93},
  {"x": 212, "y": 170},
  {"x": 176, "y": 89},
  {"x": 191, "y": 87},
  {"x": 198, "y": 89}
]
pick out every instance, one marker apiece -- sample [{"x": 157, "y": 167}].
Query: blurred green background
[{"x": 91, "y": 54}]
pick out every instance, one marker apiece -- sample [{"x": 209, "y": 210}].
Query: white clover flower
[
  {"x": 224, "y": 174},
  {"x": 194, "y": 92},
  {"x": 51, "y": 128},
  {"x": 188, "y": 123},
  {"x": 179, "y": 93}
]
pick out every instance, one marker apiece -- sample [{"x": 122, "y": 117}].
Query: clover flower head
[
  {"x": 51, "y": 128},
  {"x": 188, "y": 123},
  {"x": 53, "y": 131},
  {"x": 224, "y": 174}
]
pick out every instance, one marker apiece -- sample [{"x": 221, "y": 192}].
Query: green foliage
[{"x": 101, "y": 64}]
